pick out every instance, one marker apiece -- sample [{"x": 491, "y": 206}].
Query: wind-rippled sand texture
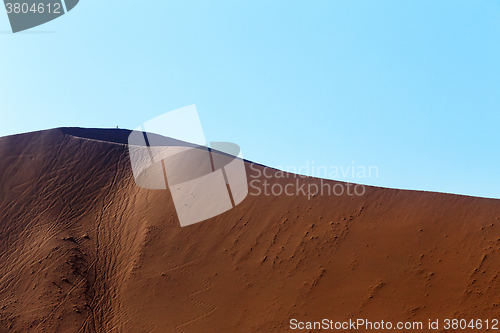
[{"x": 83, "y": 249}]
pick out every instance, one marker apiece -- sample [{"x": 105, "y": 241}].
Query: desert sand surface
[{"x": 84, "y": 249}]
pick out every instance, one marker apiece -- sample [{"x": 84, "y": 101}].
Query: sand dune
[{"x": 84, "y": 249}]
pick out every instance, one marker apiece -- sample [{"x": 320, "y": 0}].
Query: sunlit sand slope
[{"x": 83, "y": 249}]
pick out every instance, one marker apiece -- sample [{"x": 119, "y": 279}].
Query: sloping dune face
[{"x": 83, "y": 249}]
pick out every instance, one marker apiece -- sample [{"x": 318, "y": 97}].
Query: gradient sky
[{"x": 411, "y": 87}]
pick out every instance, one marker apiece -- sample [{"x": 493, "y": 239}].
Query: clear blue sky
[{"x": 412, "y": 87}]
